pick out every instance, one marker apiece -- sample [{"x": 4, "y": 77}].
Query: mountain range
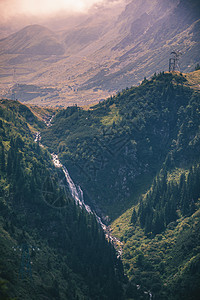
[
  {"x": 109, "y": 50},
  {"x": 99, "y": 155},
  {"x": 135, "y": 157}
]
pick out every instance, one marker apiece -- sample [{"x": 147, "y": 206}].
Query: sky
[{"x": 42, "y": 8}]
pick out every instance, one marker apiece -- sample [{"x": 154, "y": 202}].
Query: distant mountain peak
[{"x": 34, "y": 40}]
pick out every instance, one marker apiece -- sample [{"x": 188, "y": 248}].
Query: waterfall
[{"x": 76, "y": 192}]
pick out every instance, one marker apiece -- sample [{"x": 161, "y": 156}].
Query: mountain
[
  {"x": 114, "y": 149},
  {"x": 135, "y": 157},
  {"x": 106, "y": 52},
  {"x": 32, "y": 40},
  {"x": 166, "y": 263},
  {"x": 50, "y": 248},
  {"x": 147, "y": 32},
  {"x": 138, "y": 153}
]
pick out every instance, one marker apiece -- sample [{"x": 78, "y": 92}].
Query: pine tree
[
  {"x": 134, "y": 217},
  {"x": 158, "y": 223},
  {"x": 9, "y": 167},
  {"x": 142, "y": 214},
  {"x": 2, "y": 158},
  {"x": 148, "y": 223}
]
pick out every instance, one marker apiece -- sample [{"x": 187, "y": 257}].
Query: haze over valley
[
  {"x": 99, "y": 149},
  {"x": 107, "y": 48}
]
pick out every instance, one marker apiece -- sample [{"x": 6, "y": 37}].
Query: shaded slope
[
  {"x": 68, "y": 259},
  {"x": 140, "y": 149}
]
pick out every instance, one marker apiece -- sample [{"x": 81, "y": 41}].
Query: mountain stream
[{"x": 77, "y": 195}]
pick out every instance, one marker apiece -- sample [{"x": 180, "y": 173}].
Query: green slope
[
  {"x": 138, "y": 153},
  {"x": 115, "y": 149},
  {"x": 70, "y": 257},
  {"x": 136, "y": 157},
  {"x": 161, "y": 242}
]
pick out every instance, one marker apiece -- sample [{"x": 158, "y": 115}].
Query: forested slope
[
  {"x": 140, "y": 149},
  {"x": 69, "y": 255},
  {"x": 115, "y": 149},
  {"x": 161, "y": 237},
  {"x": 136, "y": 157}
]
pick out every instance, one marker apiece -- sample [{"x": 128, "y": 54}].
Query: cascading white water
[
  {"x": 37, "y": 137},
  {"x": 76, "y": 193}
]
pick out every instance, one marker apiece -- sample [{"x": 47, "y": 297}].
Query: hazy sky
[{"x": 9, "y": 8}]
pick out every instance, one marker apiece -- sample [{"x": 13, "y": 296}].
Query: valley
[
  {"x": 100, "y": 150},
  {"x": 36, "y": 210},
  {"x": 104, "y": 54},
  {"x": 135, "y": 159},
  {"x": 137, "y": 150}
]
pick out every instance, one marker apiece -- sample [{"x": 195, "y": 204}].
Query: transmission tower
[{"x": 174, "y": 61}]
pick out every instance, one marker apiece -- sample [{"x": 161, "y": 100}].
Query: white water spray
[{"x": 77, "y": 194}]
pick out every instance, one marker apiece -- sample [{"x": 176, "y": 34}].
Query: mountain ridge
[
  {"x": 109, "y": 51},
  {"x": 136, "y": 158},
  {"x": 32, "y": 40},
  {"x": 109, "y": 123}
]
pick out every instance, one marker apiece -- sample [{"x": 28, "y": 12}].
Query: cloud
[{"x": 11, "y": 8}]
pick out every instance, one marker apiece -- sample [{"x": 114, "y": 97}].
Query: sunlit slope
[
  {"x": 193, "y": 79},
  {"x": 113, "y": 48}
]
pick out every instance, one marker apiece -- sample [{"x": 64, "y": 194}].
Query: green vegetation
[
  {"x": 139, "y": 150},
  {"x": 193, "y": 79},
  {"x": 112, "y": 118},
  {"x": 165, "y": 199},
  {"x": 115, "y": 149},
  {"x": 74, "y": 260},
  {"x": 42, "y": 113},
  {"x": 166, "y": 260},
  {"x": 136, "y": 157}
]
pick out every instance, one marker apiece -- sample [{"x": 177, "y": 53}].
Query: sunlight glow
[
  {"x": 44, "y": 7},
  {"x": 52, "y": 6}
]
